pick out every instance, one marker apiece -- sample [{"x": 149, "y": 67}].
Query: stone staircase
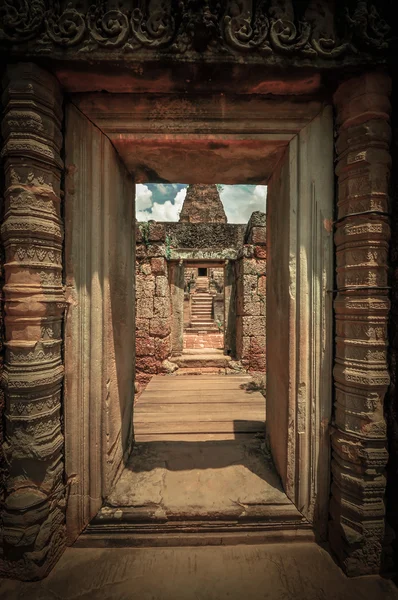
[{"x": 202, "y": 310}]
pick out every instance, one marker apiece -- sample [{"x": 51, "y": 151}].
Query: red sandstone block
[
  {"x": 257, "y": 362},
  {"x": 260, "y": 252},
  {"x": 249, "y": 266},
  {"x": 252, "y": 306},
  {"x": 145, "y": 268},
  {"x": 154, "y": 250},
  {"x": 156, "y": 232},
  {"x": 257, "y": 345},
  {"x": 162, "y": 348},
  {"x": 161, "y": 307},
  {"x": 144, "y": 286},
  {"x": 158, "y": 265},
  {"x": 145, "y": 346},
  {"x": 162, "y": 286},
  {"x": 141, "y": 327},
  {"x": 140, "y": 251},
  {"x": 262, "y": 285},
  {"x": 144, "y": 307},
  {"x": 259, "y": 236},
  {"x": 249, "y": 284},
  {"x": 147, "y": 364},
  {"x": 160, "y": 327},
  {"x": 256, "y": 326}
]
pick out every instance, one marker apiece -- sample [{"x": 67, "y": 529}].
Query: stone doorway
[
  {"x": 295, "y": 266},
  {"x": 204, "y": 306}
]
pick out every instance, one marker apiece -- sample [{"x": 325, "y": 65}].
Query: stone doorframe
[
  {"x": 34, "y": 531},
  {"x": 177, "y": 282}
]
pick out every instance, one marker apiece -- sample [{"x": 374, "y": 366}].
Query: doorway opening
[
  {"x": 299, "y": 315},
  {"x": 204, "y": 306}
]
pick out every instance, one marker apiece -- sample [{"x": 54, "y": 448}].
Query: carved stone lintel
[
  {"x": 362, "y": 307},
  {"x": 32, "y": 234},
  {"x": 266, "y": 29}
]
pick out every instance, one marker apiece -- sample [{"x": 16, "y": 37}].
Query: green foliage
[{"x": 144, "y": 228}]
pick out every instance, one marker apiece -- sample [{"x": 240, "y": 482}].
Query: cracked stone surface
[
  {"x": 293, "y": 571},
  {"x": 200, "y": 478}
]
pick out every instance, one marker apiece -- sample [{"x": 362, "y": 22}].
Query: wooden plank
[
  {"x": 205, "y": 377},
  {"x": 200, "y": 398},
  {"x": 195, "y": 437},
  {"x": 198, "y": 427},
  {"x": 187, "y": 386},
  {"x": 186, "y": 418},
  {"x": 225, "y": 408}
]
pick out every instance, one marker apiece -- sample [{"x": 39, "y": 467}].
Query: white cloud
[
  {"x": 143, "y": 197},
  {"x": 166, "y": 211},
  {"x": 239, "y": 202}
]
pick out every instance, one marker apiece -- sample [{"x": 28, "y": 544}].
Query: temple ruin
[
  {"x": 293, "y": 95},
  {"x": 200, "y": 284}
]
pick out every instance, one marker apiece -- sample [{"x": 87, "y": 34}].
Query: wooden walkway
[{"x": 198, "y": 407}]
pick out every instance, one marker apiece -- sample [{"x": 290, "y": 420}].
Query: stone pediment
[{"x": 274, "y": 32}]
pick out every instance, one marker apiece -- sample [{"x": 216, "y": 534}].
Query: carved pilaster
[
  {"x": 362, "y": 306},
  {"x": 32, "y": 234}
]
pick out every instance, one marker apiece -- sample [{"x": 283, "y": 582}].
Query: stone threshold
[{"x": 277, "y": 529}]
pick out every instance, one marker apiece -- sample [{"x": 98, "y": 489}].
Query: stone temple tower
[{"x": 202, "y": 204}]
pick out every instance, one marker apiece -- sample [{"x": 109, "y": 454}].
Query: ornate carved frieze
[
  {"x": 32, "y": 235},
  {"x": 361, "y": 308},
  {"x": 265, "y": 30}
]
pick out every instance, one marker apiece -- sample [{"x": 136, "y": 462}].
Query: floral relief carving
[
  {"x": 266, "y": 28},
  {"x": 108, "y": 28}
]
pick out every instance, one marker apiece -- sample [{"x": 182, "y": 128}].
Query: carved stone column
[
  {"x": 362, "y": 306},
  {"x": 32, "y": 234}
]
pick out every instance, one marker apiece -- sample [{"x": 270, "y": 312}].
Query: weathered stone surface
[
  {"x": 361, "y": 376},
  {"x": 99, "y": 330},
  {"x": 203, "y": 35},
  {"x": 202, "y": 204},
  {"x": 250, "y": 301},
  {"x": 159, "y": 266},
  {"x": 223, "y": 238},
  {"x": 153, "y": 302},
  {"x": 32, "y": 234}
]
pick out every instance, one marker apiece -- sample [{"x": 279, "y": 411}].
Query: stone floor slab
[{"x": 271, "y": 572}]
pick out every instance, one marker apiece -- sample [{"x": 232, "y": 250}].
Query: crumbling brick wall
[
  {"x": 153, "y": 305},
  {"x": 250, "y": 301}
]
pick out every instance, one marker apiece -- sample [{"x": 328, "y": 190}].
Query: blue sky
[{"x": 162, "y": 202}]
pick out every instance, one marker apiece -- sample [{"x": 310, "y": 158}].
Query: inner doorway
[{"x": 204, "y": 306}]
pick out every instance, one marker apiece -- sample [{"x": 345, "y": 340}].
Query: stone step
[
  {"x": 201, "y": 330},
  {"x": 200, "y": 359}
]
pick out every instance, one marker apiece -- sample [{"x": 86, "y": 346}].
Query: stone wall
[
  {"x": 250, "y": 295},
  {"x": 153, "y": 301},
  {"x": 215, "y": 241}
]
